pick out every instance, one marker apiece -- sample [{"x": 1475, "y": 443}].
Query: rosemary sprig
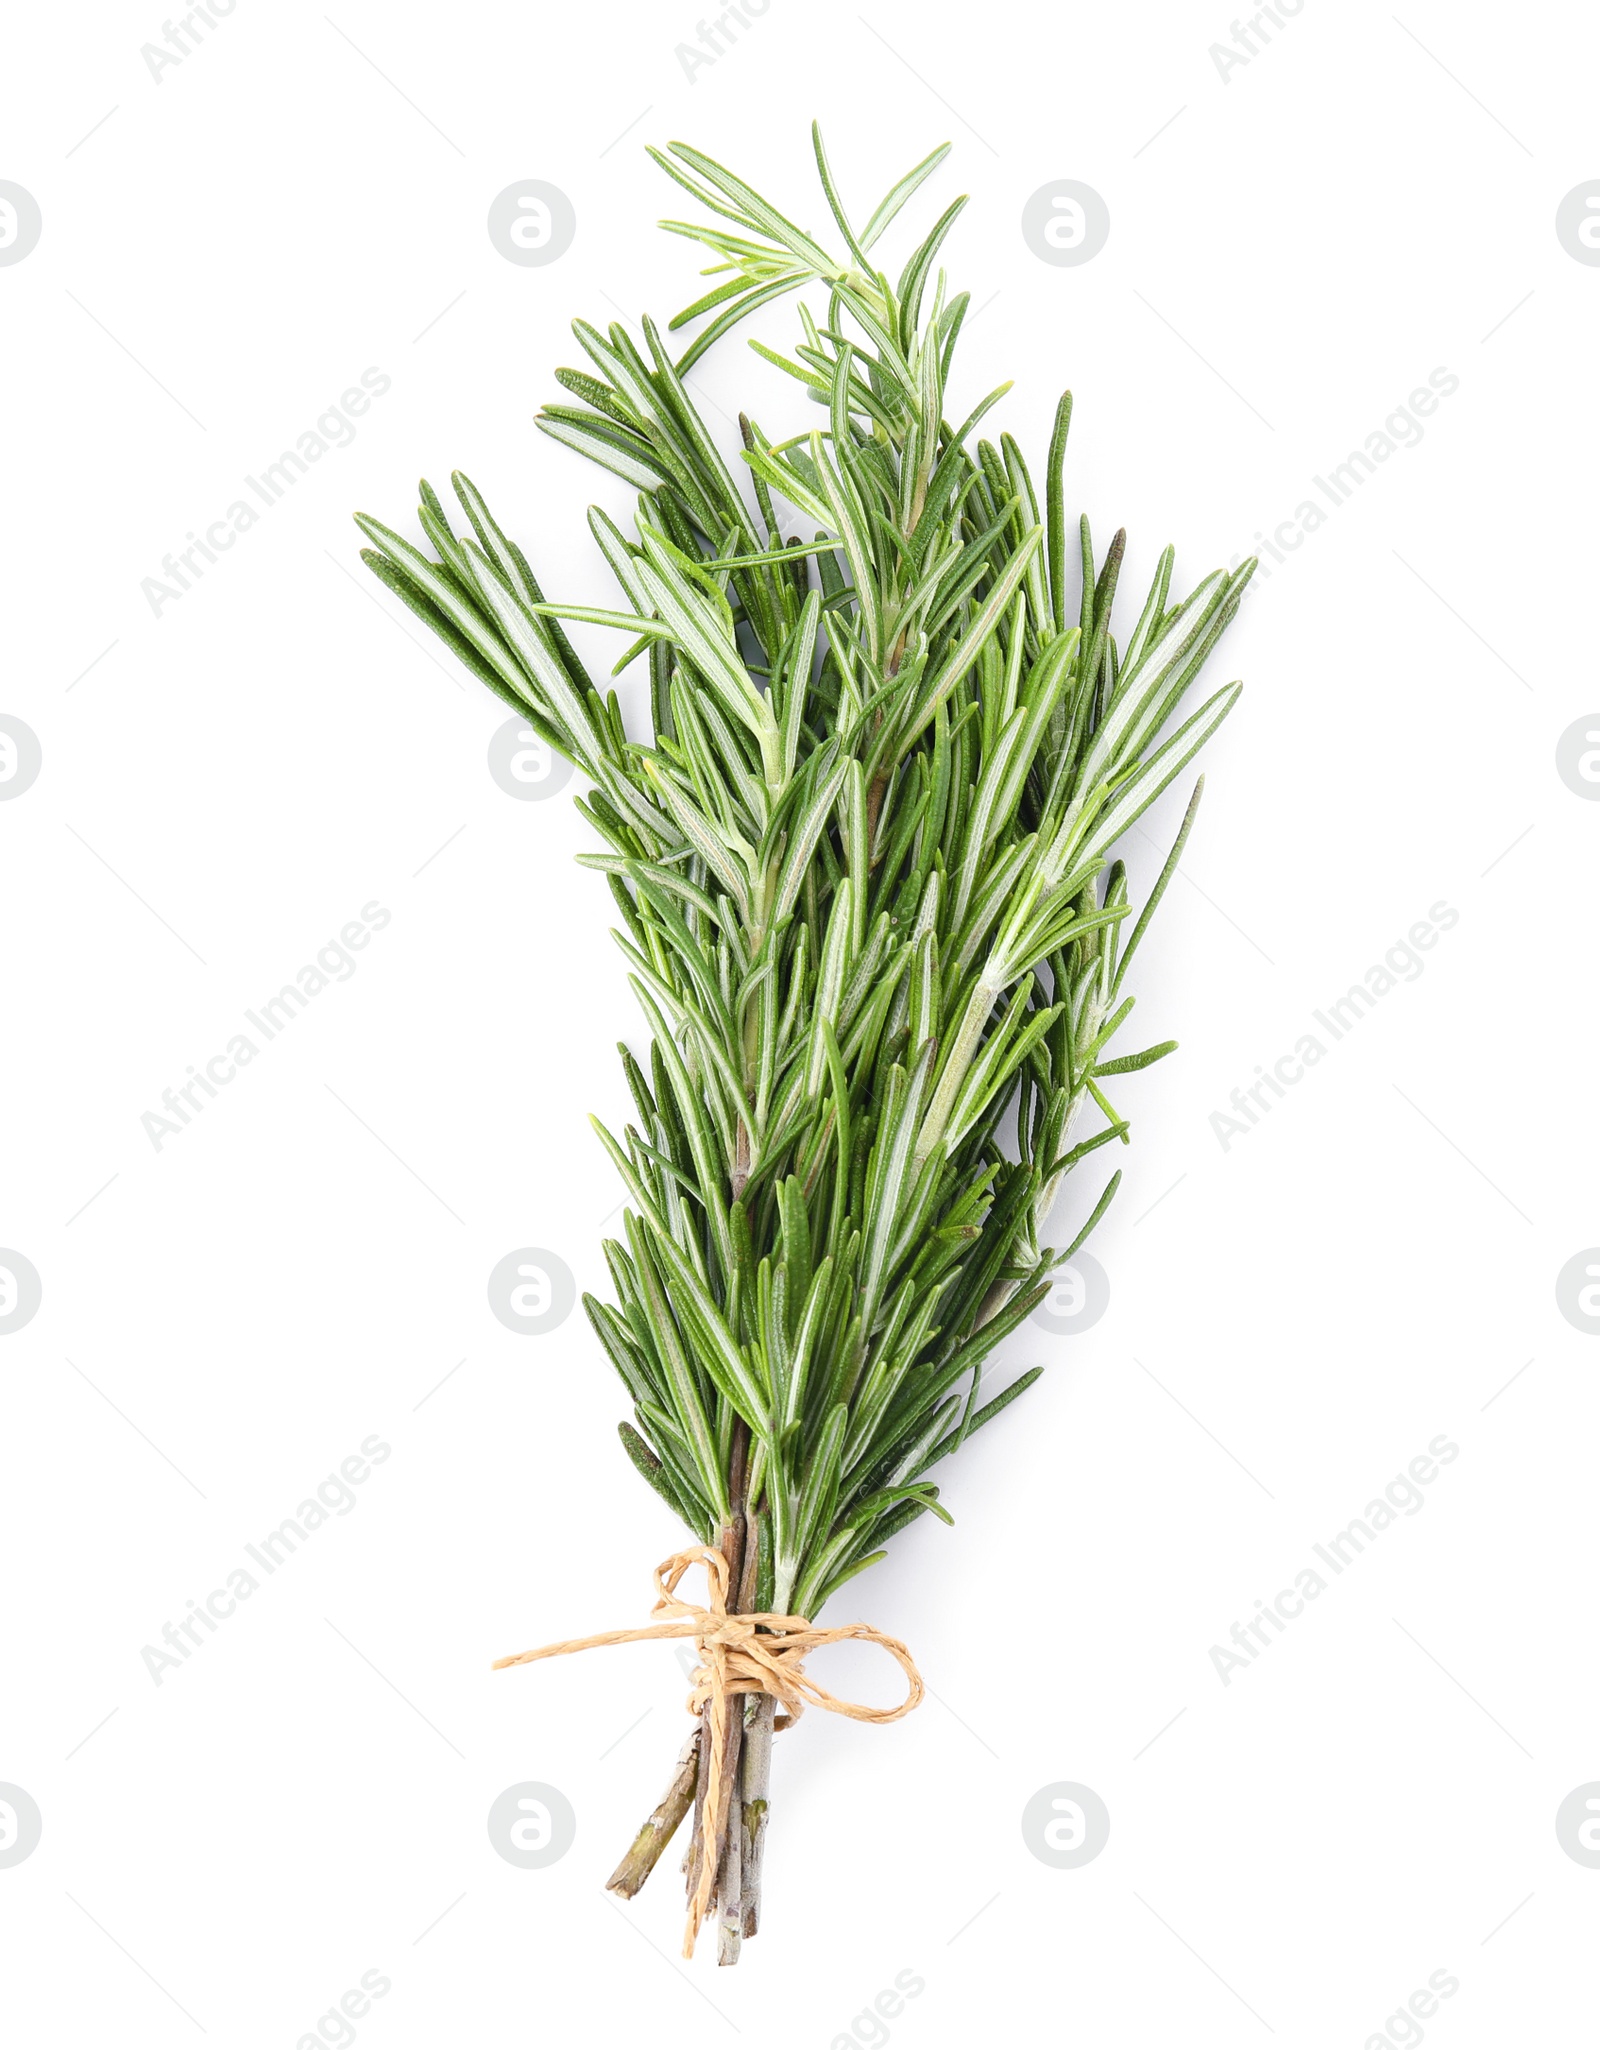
[{"x": 863, "y": 868}]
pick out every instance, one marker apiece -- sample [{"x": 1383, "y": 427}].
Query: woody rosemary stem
[
  {"x": 747, "y": 1768},
  {"x": 731, "y": 1877},
  {"x": 731, "y": 1543},
  {"x": 639, "y": 1860},
  {"x": 755, "y": 1778}
]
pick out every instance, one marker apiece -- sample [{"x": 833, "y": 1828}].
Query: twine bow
[{"x": 759, "y": 1653}]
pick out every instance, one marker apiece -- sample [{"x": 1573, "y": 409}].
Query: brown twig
[{"x": 639, "y": 1860}]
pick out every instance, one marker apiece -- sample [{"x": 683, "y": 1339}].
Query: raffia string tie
[{"x": 759, "y": 1653}]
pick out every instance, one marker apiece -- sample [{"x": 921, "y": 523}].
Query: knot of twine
[{"x": 756, "y": 1653}]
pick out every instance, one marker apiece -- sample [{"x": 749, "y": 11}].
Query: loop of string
[{"x": 760, "y": 1653}]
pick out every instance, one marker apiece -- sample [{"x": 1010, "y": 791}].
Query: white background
[{"x": 1293, "y": 1318}]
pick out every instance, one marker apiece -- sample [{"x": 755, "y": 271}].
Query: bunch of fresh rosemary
[{"x": 862, "y": 861}]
